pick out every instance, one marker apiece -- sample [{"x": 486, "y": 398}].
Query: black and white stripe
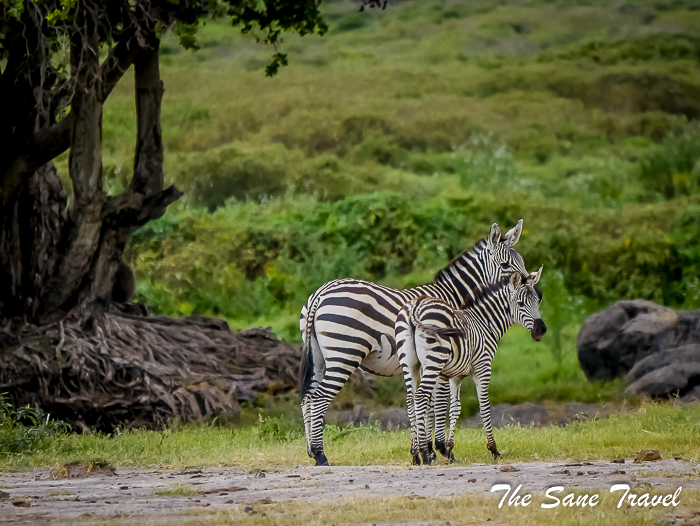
[
  {"x": 350, "y": 323},
  {"x": 436, "y": 342}
]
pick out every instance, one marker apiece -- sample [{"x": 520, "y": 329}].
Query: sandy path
[{"x": 130, "y": 495}]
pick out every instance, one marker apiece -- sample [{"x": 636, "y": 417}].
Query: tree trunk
[{"x": 57, "y": 263}]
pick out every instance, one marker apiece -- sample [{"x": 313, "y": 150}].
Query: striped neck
[
  {"x": 466, "y": 273},
  {"x": 490, "y": 307}
]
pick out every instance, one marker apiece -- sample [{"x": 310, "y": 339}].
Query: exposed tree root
[{"x": 142, "y": 370}]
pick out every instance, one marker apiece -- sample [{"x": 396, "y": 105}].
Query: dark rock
[
  {"x": 671, "y": 379},
  {"x": 647, "y": 455},
  {"x": 393, "y": 418},
  {"x": 692, "y": 396},
  {"x": 612, "y": 341},
  {"x": 527, "y": 414},
  {"x": 579, "y": 412},
  {"x": 686, "y": 354},
  {"x": 389, "y": 419},
  {"x": 506, "y": 414}
]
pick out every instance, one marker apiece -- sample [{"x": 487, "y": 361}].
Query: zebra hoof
[
  {"x": 416, "y": 460},
  {"x": 494, "y": 451},
  {"x": 321, "y": 459},
  {"x": 440, "y": 446},
  {"x": 428, "y": 457}
]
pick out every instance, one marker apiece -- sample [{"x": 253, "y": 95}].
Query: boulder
[
  {"x": 562, "y": 414},
  {"x": 612, "y": 341},
  {"x": 685, "y": 354},
  {"x": 538, "y": 415},
  {"x": 692, "y": 396},
  {"x": 674, "y": 378}
]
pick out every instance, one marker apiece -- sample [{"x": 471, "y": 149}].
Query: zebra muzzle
[{"x": 538, "y": 330}]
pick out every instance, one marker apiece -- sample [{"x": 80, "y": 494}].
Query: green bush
[
  {"x": 671, "y": 168},
  {"x": 645, "y": 48},
  {"x": 26, "y": 429},
  {"x": 278, "y": 429}
]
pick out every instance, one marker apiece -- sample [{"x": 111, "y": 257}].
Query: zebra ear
[
  {"x": 513, "y": 235},
  {"x": 515, "y": 280},
  {"x": 534, "y": 277},
  {"x": 494, "y": 236}
]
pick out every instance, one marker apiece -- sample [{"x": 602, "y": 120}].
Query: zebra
[
  {"x": 435, "y": 341},
  {"x": 373, "y": 3},
  {"x": 349, "y": 323}
]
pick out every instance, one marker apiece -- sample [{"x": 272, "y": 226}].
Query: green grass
[
  {"x": 462, "y": 509},
  {"x": 177, "y": 490},
  {"x": 673, "y": 430}
]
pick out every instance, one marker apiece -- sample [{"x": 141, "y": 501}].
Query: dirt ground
[{"x": 130, "y": 495}]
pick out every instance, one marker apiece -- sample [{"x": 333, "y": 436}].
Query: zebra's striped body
[
  {"x": 434, "y": 341},
  {"x": 350, "y": 323}
]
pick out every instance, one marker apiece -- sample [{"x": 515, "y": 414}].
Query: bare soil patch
[{"x": 130, "y": 495}]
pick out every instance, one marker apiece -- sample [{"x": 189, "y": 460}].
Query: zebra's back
[{"x": 354, "y": 322}]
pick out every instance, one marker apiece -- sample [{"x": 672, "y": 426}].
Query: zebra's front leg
[
  {"x": 455, "y": 410},
  {"x": 440, "y": 398},
  {"x": 429, "y": 425},
  {"x": 482, "y": 381}
]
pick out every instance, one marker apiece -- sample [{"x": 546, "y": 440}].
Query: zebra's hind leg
[
  {"x": 423, "y": 398},
  {"x": 455, "y": 411},
  {"x": 317, "y": 367},
  {"x": 440, "y": 399},
  {"x": 410, "y": 366},
  {"x": 338, "y": 370}
]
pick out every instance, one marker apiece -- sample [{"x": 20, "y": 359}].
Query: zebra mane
[
  {"x": 444, "y": 274},
  {"x": 484, "y": 292},
  {"x": 488, "y": 290}
]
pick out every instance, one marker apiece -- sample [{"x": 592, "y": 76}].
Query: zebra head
[
  {"x": 503, "y": 257},
  {"x": 524, "y": 302}
]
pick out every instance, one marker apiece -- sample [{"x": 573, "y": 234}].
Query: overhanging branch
[{"x": 50, "y": 142}]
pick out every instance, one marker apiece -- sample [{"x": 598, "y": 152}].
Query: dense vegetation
[{"x": 392, "y": 143}]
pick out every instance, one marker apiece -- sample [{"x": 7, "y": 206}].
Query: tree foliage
[{"x": 60, "y": 61}]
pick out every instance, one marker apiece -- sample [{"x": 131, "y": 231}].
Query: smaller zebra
[
  {"x": 373, "y": 3},
  {"x": 436, "y": 342}
]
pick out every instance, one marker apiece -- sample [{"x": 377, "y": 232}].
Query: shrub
[
  {"x": 671, "y": 168},
  {"x": 26, "y": 429},
  {"x": 278, "y": 429}
]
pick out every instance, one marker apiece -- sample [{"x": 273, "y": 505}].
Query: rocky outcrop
[
  {"x": 538, "y": 415},
  {"x": 667, "y": 372},
  {"x": 612, "y": 341}
]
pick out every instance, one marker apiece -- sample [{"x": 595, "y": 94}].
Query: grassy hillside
[{"x": 393, "y": 142}]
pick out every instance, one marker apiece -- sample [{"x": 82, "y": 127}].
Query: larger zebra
[
  {"x": 349, "y": 323},
  {"x": 435, "y": 341}
]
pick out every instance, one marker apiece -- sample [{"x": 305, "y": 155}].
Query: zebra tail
[
  {"x": 443, "y": 332},
  {"x": 306, "y": 369}
]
